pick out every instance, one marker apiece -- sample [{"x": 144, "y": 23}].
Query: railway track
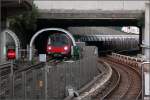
[
  {"x": 112, "y": 83},
  {"x": 129, "y": 86}
]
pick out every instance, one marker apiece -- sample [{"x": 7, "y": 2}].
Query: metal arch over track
[
  {"x": 16, "y": 40},
  {"x": 48, "y": 29}
]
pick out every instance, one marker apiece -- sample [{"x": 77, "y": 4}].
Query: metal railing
[
  {"x": 20, "y": 84},
  {"x": 29, "y": 82},
  {"x": 47, "y": 81},
  {"x": 133, "y": 61}
]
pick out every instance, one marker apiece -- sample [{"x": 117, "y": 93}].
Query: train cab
[{"x": 59, "y": 44}]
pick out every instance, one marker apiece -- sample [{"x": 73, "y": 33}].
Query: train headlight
[
  {"x": 49, "y": 48},
  {"x": 65, "y": 48}
]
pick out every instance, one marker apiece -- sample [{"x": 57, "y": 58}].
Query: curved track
[
  {"x": 129, "y": 86},
  {"x": 111, "y": 84}
]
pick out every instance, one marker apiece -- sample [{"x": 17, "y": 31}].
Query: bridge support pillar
[{"x": 146, "y": 41}]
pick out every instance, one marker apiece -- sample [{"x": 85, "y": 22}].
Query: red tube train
[{"x": 59, "y": 45}]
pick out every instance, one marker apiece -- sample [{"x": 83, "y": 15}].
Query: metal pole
[
  {"x": 24, "y": 83},
  {"x": 30, "y": 53},
  {"x": 17, "y": 52},
  {"x": 12, "y": 80},
  {"x": 142, "y": 81},
  {"x": 46, "y": 68}
]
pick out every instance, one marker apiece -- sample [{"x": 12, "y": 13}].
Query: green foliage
[
  {"x": 76, "y": 52},
  {"x": 24, "y": 24},
  {"x": 77, "y": 37}
]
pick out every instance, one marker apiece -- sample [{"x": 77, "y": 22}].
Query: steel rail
[
  {"x": 135, "y": 72},
  {"x": 115, "y": 86}
]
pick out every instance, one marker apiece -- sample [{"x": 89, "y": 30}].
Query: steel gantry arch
[
  {"x": 16, "y": 40},
  {"x": 48, "y": 29}
]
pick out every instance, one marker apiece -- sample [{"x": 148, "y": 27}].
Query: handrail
[
  {"x": 5, "y": 65},
  {"x": 29, "y": 68},
  {"x": 128, "y": 57},
  {"x": 32, "y": 66}
]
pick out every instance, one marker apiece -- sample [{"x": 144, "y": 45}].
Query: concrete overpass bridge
[
  {"x": 109, "y": 12},
  {"x": 91, "y": 17}
]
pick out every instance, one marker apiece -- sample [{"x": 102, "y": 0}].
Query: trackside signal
[{"x": 11, "y": 54}]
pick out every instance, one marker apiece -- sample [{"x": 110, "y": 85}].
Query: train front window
[{"x": 59, "y": 40}]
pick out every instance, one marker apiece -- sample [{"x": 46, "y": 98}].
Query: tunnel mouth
[{"x": 42, "y": 39}]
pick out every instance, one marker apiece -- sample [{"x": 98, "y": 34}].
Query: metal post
[
  {"x": 17, "y": 52},
  {"x": 142, "y": 82},
  {"x": 24, "y": 83},
  {"x": 30, "y": 53},
  {"x": 34, "y": 82},
  {"x": 12, "y": 80},
  {"x": 46, "y": 69}
]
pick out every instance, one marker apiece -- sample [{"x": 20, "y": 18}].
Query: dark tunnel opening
[
  {"x": 103, "y": 48},
  {"x": 41, "y": 41},
  {"x": 106, "y": 47}
]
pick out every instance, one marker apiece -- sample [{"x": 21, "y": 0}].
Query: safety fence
[
  {"x": 24, "y": 54},
  {"x": 71, "y": 75},
  {"x": 97, "y": 86},
  {"x": 29, "y": 83},
  {"x": 132, "y": 61},
  {"x": 17, "y": 84},
  {"x": 44, "y": 81},
  {"x": 6, "y": 74}
]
